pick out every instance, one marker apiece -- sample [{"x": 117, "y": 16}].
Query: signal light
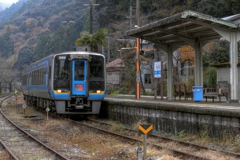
[{"x": 79, "y": 87}]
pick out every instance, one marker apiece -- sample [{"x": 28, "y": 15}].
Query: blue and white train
[{"x": 67, "y": 83}]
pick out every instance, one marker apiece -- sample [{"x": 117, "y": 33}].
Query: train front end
[{"x": 79, "y": 83}]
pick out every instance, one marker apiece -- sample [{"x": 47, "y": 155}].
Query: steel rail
[
  {"x": 175, "y": 152},
  {"x": 8, "y": 150},
  {"x": 26, "y": 133},
  {"x": 175, "y": 140}
]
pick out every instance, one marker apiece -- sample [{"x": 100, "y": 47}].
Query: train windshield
[
  {"x": 62, "y": 72},
  {"x": 97, "y": 73}
]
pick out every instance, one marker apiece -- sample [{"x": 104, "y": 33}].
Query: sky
[{"x": 8, "y": 1}]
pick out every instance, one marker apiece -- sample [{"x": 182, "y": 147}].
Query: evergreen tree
[
  {"x": 25, "y": 57},
  {"x": 98, "y": 38}
]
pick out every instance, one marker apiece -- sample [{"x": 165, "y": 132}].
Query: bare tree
[
  {"x": 10, "y": 76},
  {"x": 7, "y": 75}
]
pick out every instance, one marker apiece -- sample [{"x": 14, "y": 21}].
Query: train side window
[
  {"x": 36, "y": 77},
  {"x": 49, "y": 73},
  {"x": 42, "y": 76},
  {"x": 39, "y": 77},
  {"x": 33, "y": 77}
]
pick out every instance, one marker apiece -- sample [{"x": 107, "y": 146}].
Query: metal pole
[
  {"x": 130, "y": 17},
  {"x": 91, "y": 18},
  {"x": 155, "y": 79},
  {"x": 145, "y": 147},
  {"x": 47, "y": 121},
  {"x": 161, "y": 80},
  {"x": 155, "y": 88},
  {"x": 138, "y": 88},
  {"x": 68, "y": 35}
]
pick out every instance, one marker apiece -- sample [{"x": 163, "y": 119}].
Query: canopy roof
[{"x": 188, "y": 25}]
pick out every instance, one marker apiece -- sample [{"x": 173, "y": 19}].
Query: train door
[{"x": 79, "y": 86}]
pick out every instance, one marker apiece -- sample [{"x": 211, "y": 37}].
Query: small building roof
[
  {"x": 117, "y": 63},
  {"x": 224, "y": 64}
]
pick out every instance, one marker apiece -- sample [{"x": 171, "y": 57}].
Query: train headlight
[
  {"x": 59, "y": 91},
  {"x": 98, "y": 91},
  {"x": 79, "y": 87}
]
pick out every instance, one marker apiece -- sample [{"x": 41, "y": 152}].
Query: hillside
[
  {"x": 20, "y": 33},
  {"x": 7, "y": 11},
  {"x": 32, "y": 29}
]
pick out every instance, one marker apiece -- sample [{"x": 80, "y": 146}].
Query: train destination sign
[{"x": 145, "y": 128}]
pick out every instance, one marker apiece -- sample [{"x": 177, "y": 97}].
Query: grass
[
  {"x": 117, "y": 127},
  {"x": 4, "y": 155}
]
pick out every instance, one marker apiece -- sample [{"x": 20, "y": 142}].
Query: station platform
[
  {"x": 173, "y": 116},
  {"x": 222, "y": 108}
]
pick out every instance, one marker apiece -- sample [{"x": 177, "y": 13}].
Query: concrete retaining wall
[{"x": 165, "y": 117}]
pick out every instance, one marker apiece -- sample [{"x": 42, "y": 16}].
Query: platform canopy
[
  {"x": 195, "y": 29},
  {"x": 188, "y": 25}
]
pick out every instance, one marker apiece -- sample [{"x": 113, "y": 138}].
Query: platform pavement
[{"x": 215, "y": 108}]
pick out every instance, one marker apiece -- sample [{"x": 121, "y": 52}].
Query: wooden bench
[
  {"x": 180, "y": 89},
  {"x": 177, "y": 91},
  {"x": 222, "y": 90},
  {"x": 210, "y": 93},
  {"x": 187, "y": 92}
]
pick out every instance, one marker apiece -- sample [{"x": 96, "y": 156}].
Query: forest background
[{"x": 32, "y": 29}]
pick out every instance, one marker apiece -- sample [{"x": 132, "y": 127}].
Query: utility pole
[
  {"x": 68, "y": 31},
  {"x": 91, "y": 14},
  {"x": 109, "y": 42},
  {"x": 108, "y": 52},
  {"x": 91, "y": 17},
  {"x": 130, "y": 17},
  {"x": 138, "y": 74}
]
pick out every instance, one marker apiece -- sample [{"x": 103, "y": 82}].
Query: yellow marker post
[{"x": 145, "y": 129}]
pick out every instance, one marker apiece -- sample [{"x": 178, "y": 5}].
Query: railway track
[
  {"x": 185, "y": 150},
  {"x": 181, "y": 149},
  {"x": 134, "y": 139},
  {"x": 20, "y": 144}
]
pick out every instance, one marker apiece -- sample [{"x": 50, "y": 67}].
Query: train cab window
[
  {"x": 97, "y": 73},
  {"x": 62, "y": 72},
  {"x": 49, "y": 72},
  {"x": 96, "y": 69}
]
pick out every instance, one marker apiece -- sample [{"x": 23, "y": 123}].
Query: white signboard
[
  {"x": 47, "y": 109},
  {"x": 157, "y": 69},
  {"x": 24, "y": 105},
  {"x": 113, "y": 78}
]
